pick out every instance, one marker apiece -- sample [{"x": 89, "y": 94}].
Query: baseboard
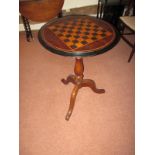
[
  {"x": 33, "y": 26},
  {"x": 37, "y": 26},
  {"x": 87, "y": 10}
]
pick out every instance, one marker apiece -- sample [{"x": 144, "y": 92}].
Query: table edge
[{"x": 78, "y": 54}]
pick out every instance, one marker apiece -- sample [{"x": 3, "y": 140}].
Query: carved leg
[
  {"x": 75, "y": 79},
  {"x": 70, "y": 78},
  {"x": 131, "y": 54},
  {"x": 92, "y": 85},
  {"x": 72, "y": 101},
  {"x": 27, "y": 28},
  {"x": 79, "y": 82}
]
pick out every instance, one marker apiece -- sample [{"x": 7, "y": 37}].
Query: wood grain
[{"x": 40, "y": 10}]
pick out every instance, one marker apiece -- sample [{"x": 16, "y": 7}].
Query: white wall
[{"x": 68, "y": 4}]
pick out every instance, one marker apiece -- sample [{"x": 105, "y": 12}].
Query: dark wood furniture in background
[
  {"x": 27, "y": 28},
  {"x": 110, "y": 11},
  {"x": 38, "y": 11},
  {"x": 128, "y": 22},
  {"x": 119, "y": 14},
  {"x": 78, "y": 36}
]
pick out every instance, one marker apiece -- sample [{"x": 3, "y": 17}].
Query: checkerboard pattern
[{"x": 78, "y": 32}]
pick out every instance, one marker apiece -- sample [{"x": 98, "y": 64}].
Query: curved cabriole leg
[
  {"x": 79, "y": 82},
  {"x": 70, "y": 78},
  {"x": 72, "y": 101},
  {"x": 90, "y": 83}
]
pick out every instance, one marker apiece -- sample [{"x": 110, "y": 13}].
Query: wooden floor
[{"x": 101, "y": 124}]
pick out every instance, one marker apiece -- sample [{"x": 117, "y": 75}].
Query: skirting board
[
  {"x": 36, "y": 26},
  {"x": 33, "y": 26}
]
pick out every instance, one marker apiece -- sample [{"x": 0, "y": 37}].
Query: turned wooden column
[{"x": 79, "y": 68}]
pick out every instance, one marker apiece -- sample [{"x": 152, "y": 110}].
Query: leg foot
[
  {"x": 92, "y": 85},
  {"x": 72, "y": 102},
  {"x": 79, "y": 82},
  {"x": 70, "y": 78}
]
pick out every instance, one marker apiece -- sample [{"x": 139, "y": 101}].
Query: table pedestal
[{"x": 79, "y": 82}]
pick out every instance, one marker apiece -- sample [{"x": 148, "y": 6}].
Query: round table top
[
  {"x": 40, "y": 10},
  {"x": 78, "y": 35}
]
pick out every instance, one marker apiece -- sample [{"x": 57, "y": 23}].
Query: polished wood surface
[
  {"x": 40, "y": 10},
  {"x": 79, "y": 82},
  {"x": 78, "y": 36}
]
